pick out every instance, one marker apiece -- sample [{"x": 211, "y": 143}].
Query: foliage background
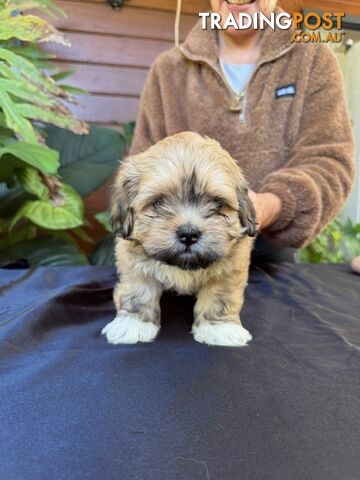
[{"x": 49, "y": 159}]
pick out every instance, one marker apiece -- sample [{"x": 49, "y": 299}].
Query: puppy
[{"x": 184, "y": 222}]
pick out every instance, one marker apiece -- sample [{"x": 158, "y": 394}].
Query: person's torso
[{"x": 259, "y": 126}]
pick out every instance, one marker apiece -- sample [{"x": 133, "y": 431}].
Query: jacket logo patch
[{"x": 286, "y": 91}]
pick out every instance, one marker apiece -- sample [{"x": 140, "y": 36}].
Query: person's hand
[
  {"x": 356, "y": 265},
  {"x": 267, "y": 207}
]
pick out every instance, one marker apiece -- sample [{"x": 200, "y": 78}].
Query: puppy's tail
[{"x": 177, "y": 24}]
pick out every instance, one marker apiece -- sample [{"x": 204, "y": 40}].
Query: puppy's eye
[
  {"x": 158, "y": 202},
  {"x": 218, "y": 202},
  {"x": 214, "y": 206}
]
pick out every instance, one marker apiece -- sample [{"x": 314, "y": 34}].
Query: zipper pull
[
  {"x": 239, "y": 98},
  {"x": 237, "y": 102}
]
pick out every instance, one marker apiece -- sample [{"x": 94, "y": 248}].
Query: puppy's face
[{"x": 184, "y": 200}]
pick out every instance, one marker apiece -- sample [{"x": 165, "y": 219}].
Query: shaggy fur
[
  {"x": 185, "y": 223},
  {"x": 297, "y": 147}
]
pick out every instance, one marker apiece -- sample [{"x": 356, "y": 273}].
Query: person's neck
[{"x": 241, "y": 49}]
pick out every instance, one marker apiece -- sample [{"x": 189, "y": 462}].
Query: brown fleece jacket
[{"x": 298, "y": 146}]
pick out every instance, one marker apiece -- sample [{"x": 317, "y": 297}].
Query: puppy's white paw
[
  {"x": 221, "y": 334},
  {"x": 127, "y": 328}
]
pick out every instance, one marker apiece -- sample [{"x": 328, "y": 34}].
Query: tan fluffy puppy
[{"x": 184, "y": 222}]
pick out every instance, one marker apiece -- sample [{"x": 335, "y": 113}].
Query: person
[{"x": 277, "y": 106}]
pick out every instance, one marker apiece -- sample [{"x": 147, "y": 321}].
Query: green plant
[
  {"x": 338, "y": 243},
  {"x": 36, "y": 198},
  {"x": 46, "y": 162},
  {"x": 103, "y": 253}
]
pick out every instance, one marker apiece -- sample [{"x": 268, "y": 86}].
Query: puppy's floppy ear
[
  {"x": 247, "y": 215},
  {"x": 123, "y": 193}
]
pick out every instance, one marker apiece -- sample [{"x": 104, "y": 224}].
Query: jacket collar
[{"x": 202, "y": 45}]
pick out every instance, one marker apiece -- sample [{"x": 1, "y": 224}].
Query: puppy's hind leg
[
  {"x": 217, "y": 314},
  {"x": 137, "y": 303}
]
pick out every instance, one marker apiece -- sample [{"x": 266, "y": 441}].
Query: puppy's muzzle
[
  {"x": 186, "y": 252},
  {"x": 188, "y": 235}
]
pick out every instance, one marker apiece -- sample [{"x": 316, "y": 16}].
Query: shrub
[
  {"x": 47, "y": 160},
  {"x": 338, "y": 243}
]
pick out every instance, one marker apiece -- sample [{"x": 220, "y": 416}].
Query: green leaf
[
  {"x": 44, "y": 159},
  {"x": 64, "y": 74},
  {"x": 15, "y": 6},
  {"x": 4, "y": 224},
  {"x": 44, "y": 65},
  {"x": 6, "y": 136},
  {"x": 20, "y": 125},
  {"x": 74, "y": 90},
  {"x": 87, "y": 162},
  {"x": 39, "y": 58},
  {"x": 44, "y": 252},
  {"x": 60, "y": 119},
  {"x": 32, "y": 52},
  {"x": 357, "y": 229},
  {"x": 64, "y": 235},
  {"x": 336, "y": 235},
  {"x": 30, "y": 179},
  {"x": 81, "y": 233},
  {"x": 352, "y": 245},
  {"x": 11, "y": 199},
  {"x": 28, "y": 232},
  {"x": 70, "y": 214},
  {"x": 29, "y": 28},
  {"x": 27, "y": 92},
  {"x": 103, "y": 254},
  {"x": 104, "y": 219},
  {"x": 27, "y": 71},
  {"x": 338, "y": 243},
  {"x": 129, "y": 129}
]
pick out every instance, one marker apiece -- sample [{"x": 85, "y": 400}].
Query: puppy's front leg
[
  {"x": 217, "y": 313},
  {"x": 137, "y": 302}
]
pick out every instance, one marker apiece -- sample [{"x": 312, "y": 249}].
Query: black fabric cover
[{"x": 287, "y": 407}]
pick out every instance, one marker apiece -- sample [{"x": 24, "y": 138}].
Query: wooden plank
[
  {"x": 107, "y": 49},
  {"x": 351, "y": 7},
  {"x": 127, "y": 21},
  {"x": 188, "y": 6},
  {"x": 103, "y": 79},
  {"x": 106, "y": 109}
]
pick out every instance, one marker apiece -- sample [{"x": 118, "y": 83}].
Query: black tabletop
[{"x": 286, "y": 407}]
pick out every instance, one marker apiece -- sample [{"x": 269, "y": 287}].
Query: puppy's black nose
[{"x": 188, "y": 235}]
